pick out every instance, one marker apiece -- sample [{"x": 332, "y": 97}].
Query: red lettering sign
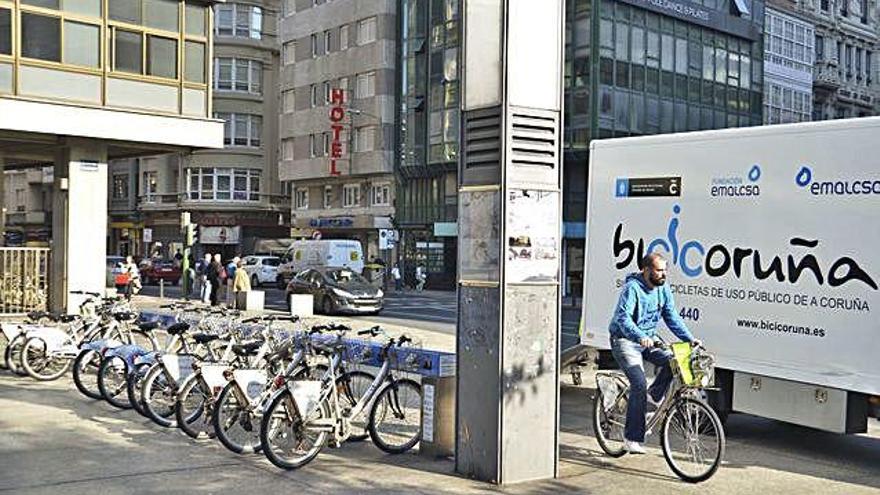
[{"x": 337, "y": 115}]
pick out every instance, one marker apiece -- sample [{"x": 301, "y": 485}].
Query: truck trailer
[{"x": 772, "y": 238}]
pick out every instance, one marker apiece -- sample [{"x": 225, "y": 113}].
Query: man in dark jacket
[{"x": 213, "y": 273}]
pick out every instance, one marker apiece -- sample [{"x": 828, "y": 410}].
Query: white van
[{"x": 323, "y": 253}]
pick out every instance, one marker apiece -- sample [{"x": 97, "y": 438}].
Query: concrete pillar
[
  {"x": 2, "y": 203},
  {"x": 79, "y": 222},
  {"x": 509, "y": 252}
]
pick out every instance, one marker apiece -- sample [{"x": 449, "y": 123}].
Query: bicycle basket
[{"x": 694, "y": 366}]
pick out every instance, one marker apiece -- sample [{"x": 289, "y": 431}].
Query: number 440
[{"x": 690, "y": 313}]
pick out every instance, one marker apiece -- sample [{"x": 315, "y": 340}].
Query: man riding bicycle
[{"x": 644, "y": 299}]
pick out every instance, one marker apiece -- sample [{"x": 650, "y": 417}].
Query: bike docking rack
[{"x": 436, "y": 370}]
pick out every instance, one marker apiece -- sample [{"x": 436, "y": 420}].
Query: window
[
  {"x": 868, "y": 66},
  {"x": 289, "y": 50},
  {"x": 328, "y": 196},
  {"x": 314, "y": 44},
  {"x": 316, "y": 145},
  {"x": 5, "y": 32},
  {"x": 120, "y": 186},
  {"x": 128, "y": 52},
  {"x": 326, "y": 92},
  {"x": 288, "y": 101},
  {"x": 820, "y": 48},
  {"x": 287, "y": 149},
  {"x": 194, "y": 58},
  {"x": 366, "y": 31},
  {"x": 327, "y": 39},
  {"x": 161, "y": 57},
  {"x": 301, "y": 198},
  {"x": 162, "y": 14},
  {"x": 343, "y": 37},
  {"x": 364, "y": 139},
  {"x": 151, "y": 186},
  {"x": 351, "y": 195},
  {"x": 40, "y": 37},
  {"x": 313, "y": 95},
  {"x": 289, "y": 7},
  {"x": 366, "y": 85},
  {"x": 380, "y": 194},
  {"x": 242, "y": 129},
  {"x": 243, "y": 21},
  {"x": 238, "y": 74},
  {"x": 824, "y": 5},
  {"x": 195, "y": 20},
  {"x": 223, "y": 184}
]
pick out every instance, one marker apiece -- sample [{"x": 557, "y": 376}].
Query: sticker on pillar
[
  {"x": 532, "y": 236},
  {"x": 88, "y": 165}
]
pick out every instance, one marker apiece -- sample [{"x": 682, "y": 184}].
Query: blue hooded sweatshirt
[{"x": 639, "y": 310}]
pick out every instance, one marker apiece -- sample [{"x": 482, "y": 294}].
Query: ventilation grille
[
  {"x": 534, "y": 139},
  {"x": 483, "y": 138}
]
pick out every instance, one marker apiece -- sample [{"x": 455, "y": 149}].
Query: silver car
[{"x": 337, "y": 290}]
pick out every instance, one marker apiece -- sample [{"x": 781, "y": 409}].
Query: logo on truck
[
  {"x": 718, "y": 260},
  {"x": 737, "y": 186},
  {"x": 845, "y": 187}
]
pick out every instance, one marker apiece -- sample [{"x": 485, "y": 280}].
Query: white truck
[
  {"x": 341, "y": 253},
  {"x": 772, "y": 236}
]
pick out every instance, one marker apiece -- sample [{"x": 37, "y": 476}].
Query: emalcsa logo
[
  {"x": 736, "y": 186},
  {"x": 844, "y": 187}
]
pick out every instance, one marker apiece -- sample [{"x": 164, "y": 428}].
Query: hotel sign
[
  {"x": 697, "y": 14},
  {"x": 337, "y": 116}
]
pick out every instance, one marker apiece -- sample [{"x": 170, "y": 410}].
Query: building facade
[
  {"x": 338, "y": 81},
  {"x": 233, "y": 194},
  {"x": 27, "y": 201},
  {"x": 85, "y": 82},
  {"x": 429, "y": 88},
  {"x": 846, "y": 43},
  {"x": 788, "y": 67}
]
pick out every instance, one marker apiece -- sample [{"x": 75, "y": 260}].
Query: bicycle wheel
[
  {"x": 289, "y": 441},
  {"x": 608, "y": 424},
  {"x": 236, "y": 424},
  {"x": 85, "y": 373},
  {"x": 693, "y": 440},
  {"x": 159, "y": 395},
  {"x": 396, "y": 417},
  {"x": 12, "y": 355},
  {"x": 352, "y": 386},
  {"x": 39, "y": 364},
  {"x": 134, "y": 386},
  {"x": 111, "y": 381},
  {"x": 147, "y": 340},
  {"x": 194, "y": 408}
]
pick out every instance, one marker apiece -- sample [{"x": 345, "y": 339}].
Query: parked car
[
  {"x": 329, "y": 253},
  {"x": 157, "y": 270},
  {"x": 261, "y": 269},
  {"x": 337, "y": 290},
  {"x": 114, "y": 272}
]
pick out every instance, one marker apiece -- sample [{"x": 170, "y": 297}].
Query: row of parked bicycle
[{"x": 255, "y": 387}]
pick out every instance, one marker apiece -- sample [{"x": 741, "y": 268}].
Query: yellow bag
[{"x": 682, "y": 353}]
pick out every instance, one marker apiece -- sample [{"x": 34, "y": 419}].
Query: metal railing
[{"x": 24, "y": 279}]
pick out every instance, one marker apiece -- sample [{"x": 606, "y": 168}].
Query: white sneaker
[{"x": 633, "y": 447}]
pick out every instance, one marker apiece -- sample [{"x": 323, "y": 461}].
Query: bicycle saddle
[
  {"x": 178, "y": 328},
  {"x": 247, "y": 349},
  {"x": 68, "y": 318},
  {"x": 204, "y": 338},
  {"x": 148, "y": 326},
  {"x": 125, "y": 316}
]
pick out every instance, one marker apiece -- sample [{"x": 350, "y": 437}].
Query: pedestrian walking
[
  {"x": 134, "y": 277},
  {"x": 231, "y": 268},
  {"x": 421, "y": 277},
  {"x": 395, "y": 274},
  {"x": 241, "y": 284},
  {"x": 205, "y": 294}
]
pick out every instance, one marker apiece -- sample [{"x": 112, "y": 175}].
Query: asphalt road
[{"x": 431, "y": 310}]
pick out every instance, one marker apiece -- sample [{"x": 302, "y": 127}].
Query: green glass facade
[
  {"x": 632, "y": 67},
  {"x": 430, "y": 34}
]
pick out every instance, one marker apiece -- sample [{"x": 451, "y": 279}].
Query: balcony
[
  {"x": 175, "y": 201},
  {"x": 825, "y": 76}
]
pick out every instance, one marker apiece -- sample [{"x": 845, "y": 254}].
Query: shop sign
[
  {"x": 333, "y": 223},
  {"x": 337, "y": 115},
  {"x": 219, "y": 235}
]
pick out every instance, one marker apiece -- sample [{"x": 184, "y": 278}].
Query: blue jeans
[{"x": 630, "y": 357}]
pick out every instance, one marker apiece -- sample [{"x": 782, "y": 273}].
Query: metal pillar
[
  {"x": 2, "y": 203},
  {"x": 510, "y": 211}
]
